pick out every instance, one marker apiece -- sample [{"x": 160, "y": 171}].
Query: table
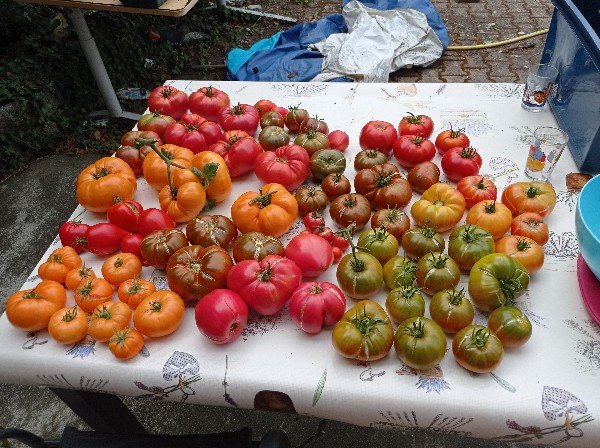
[{"x": 545, "y": 392}]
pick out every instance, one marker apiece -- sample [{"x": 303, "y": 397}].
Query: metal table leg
[
  {"x": 88, "y": 45},
  {"x": 222, "y": 4},
  {"x": 102, "y": 412}
]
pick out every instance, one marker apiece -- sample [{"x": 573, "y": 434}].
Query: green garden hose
[{"x": 496, "y": 44}]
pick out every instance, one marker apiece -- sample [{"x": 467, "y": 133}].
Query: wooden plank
[{"x": 171, "y": 8}]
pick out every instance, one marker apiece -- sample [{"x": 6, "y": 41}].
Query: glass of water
[
  {"x": 547, "y": 147},
  {"x": 540, "y": 81}
]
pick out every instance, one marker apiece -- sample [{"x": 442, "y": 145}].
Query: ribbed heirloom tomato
[
  {"x": 76, "y": 276},
  {"x": 168, "y": 100},
  {"x": 405, "y": 302},
  {"x": 411, "y": 150},
  {"x": 399, "y": 272},
  {"x": 369, "y": 158},
  {"x": 468, "y": 244},
  {"x": 31, "y": 309},
  {"x": 380, "y": 243},
  {"x": 125, "y": 344},
  {"x": 121, "y": 267},
  {"x": 134, "y": 290},
  {"x": 477, "y": 349},
  {"x": 311, "y": 200},
  {"x": 183, "y": 201},
  {"x": 214, "y": 175},
  {"x": 335, "y": 184},
  {"x": 264, "y": 106},
  {"x": 186, "y": 136},
  {"x": 155, "y": 168},
  {"x": 532, "y": 226},
  {"x": 422, "y": 176},
  {"x": 92, "y": 292},
  {"x": 241, "y": 117},
  {"x": 350, "y": 208},
  {"x": 451, "y": 310},
  {"x": 393, "y": 220},
  {"x": 159, "y": 314},
  {"x": 209, "y": 102},
  {"x": 239, "y": 150},
  {"x": 378, "y": 135},
  {"x": 107, "y": 319},
  {"x": 510, "y": 325},
  {"x": 536, "y": 197},
  {"x": 312, "y": 141},
  {"x": 271, "y": 118},
  {"x": 273, "y": 137},
  {"x": 448, "y": 139},
  {"x": 287, "y": 165},
  {"x": 359, "y": 274},
  {"x": 314, "y": 124},
  {"x": 221, "y": 316},
  {"x": 325, "y": 162},
  {"x": 529, "y": 253},
  {"x": 419, "y": 241},
  {"x": 68, "y": 325},
  {"x": 383, "y": 186},
  {"x": 59, "y": 263},
  {"x": 476, "y": 189},
  {"x": 440, "y": 207},
  {"x": 315, "y": 304},
  {"x": 294, "y": 118},
  {"x": 492, "y": 216},
  {"x": 208, "y": 230},
  {"x": 436, "y": 271},
  {"x": 420, "y": 125},
  {"x": 420, "y": 343},
  {"x": 256, "y": 246},
  {"x": 311, "y": 253},
  {"x": 135, "y": 147},
  {"x": 158, "y": 246}
]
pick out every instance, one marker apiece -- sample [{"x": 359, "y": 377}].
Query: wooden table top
[{"x": 171, "y": 8}]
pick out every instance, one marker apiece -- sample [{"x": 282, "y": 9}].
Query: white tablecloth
[{"x": 546, "y": 392}]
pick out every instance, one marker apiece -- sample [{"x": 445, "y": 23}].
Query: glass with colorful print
[
  {"x": 538, "y": 86},
  {"x": 547, "y": 147}
]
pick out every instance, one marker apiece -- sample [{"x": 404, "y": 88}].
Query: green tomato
[
  {"x": 468, "y": 244},
  {"x": 399, "y": 271},
  {"x": 497, "y": 280},
  {"x": 419, "y": 241},
  {"x": 273, "y": 137},
  {"x": 420, "y": 343},
  {"x": 476, "y": 349},
  {"x": 436, "y": 271},
  {"x": 451, "y": 310},
  {"x": 325, "y": 162},
  {"x": 359, "y": 275},
  {"x": 511, "y": 325},
  {"x": 312, "y": 141},
  {"x": 404, "y": 303},
  {"x": 380, "y": 243}
]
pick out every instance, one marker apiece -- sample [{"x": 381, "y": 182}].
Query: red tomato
[
  {"x": 72, "y": 233},
  {"x": 311, "y": 253},
  {"x": 461, "y": 162},
  {"x": 283, "y": 111},
  {"x": 125, "y": 214},
  {"x": 168, "y": 101},
  {"x": 449, "y": 139},
  {"x": 221, "y": 316},
  {"x": 211, "y": 132},
  {"x": 324, "y": 232},
  {"x": 314, "y": 220},
  {"x": 131, "y": 244},
  {"x": 476, "y": 189},
  {"x": 155, "y": 122},
  {"x": 209, "y": 102},
  {"x": 410, "y": 150},
  {"x": 241, "y": 117},
  {"x": 378, "y": 135},
  {"x": 186, "y": 136},
  {"x": 239, "y": 151},
  {"x": 193, "y": 119},
  {"x": 316, "y": 124},
  {"x": 337, "y": 254},
  {"x": 420, "y": 125},
  {"x": 340, "y": 241},
  {"x": 264, "y": 106},
  {"x": 338, "y": 140},
  {"x": 315, "y": 304},
  {"x": 104, "y": 238},
  {"x": 265, "y": 285},
  {"x": 153, "y": 219},
  {"x": 287, "y": 166}
]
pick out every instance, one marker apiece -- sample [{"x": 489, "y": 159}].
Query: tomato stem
[
  {"x": 31, "y": 295},
  {"x": 263, "y": 199},
  {"x": 101, "y": 173},
  {"x": 456, "y": 296},
  {"x": 479, "y": 337},
  {"x": 417, "y": 330},
  {"x": 265, "y": 274},
  {"x": 135, "y": 287},
  {"x": 155, "y": 305},
  {"x": 532, "y": 192},
  {"x": 383, "y": 181},
  {"x": 480, "y": 185},
  {"x": 438, "y": 262},
  {"x": 417, "y": 140},
  {"x": 103, "y": 313},
  {"x": 408, "y": 291},
  {"x": 413, "y": 119},
  {"x": 86, "y": 289},
  {"x": 523, "y": 244},
  {"x": 70, "y": 314},
  {"x": 316, "y": 289},
  {"x": 490, "y": 207},
  {"x": 366, "y": 324}
]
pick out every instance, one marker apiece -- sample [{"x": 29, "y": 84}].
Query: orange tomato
[
  {"x": 134, "y": 290},
  {"x": 184, "y": 202},
  {"x": 91, "y": 293},
  {"x": 121, "y": 267},
  {"x": 219, "y": 188},
  {"x": 155, "y": 169},
  {"x": 525, "y": 250},
  {"x": 492, "y": 216},
  {"x": 107, "y": 319},
  {"x": 159, "y": 314},
  {"x": 532, "y": 226},
  {"x": 76, "y": 276},
  {"x": 68, "y": 325},
  {"x": 59, "y": 263},
  {"x": 31, "y": 309},
  {"x": 536, "y": 197},
  {"x": 104, "y": 180},
  {"x": 271, "y": 211},
  {"x": 126, "y": 343},
  {"x": 441, "y": 207}
]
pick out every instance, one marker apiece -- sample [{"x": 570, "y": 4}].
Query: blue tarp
[{"x": 287, "y": 57}]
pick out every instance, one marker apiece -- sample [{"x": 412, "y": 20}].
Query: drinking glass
[
  {"x": 538, "y": 86},
  {"x": 547, "y": 147}
]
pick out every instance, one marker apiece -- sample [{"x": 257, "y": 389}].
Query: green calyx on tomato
[
  {"x": 532, "y": 192},
  {"x": 436, "y": 272},
  {"x": 457, "y": 296},
  {"x": 367, "y": 324},
  {"x": 399, "y": 272},
  {"x": 457, "y": 133},
  {"x": 238, "y": 109},
  {"x": 523, "y": 244},
  {"x": 439, "y": 261},
  {"x": 70, "y": 314},
  {"x": 405, "y": 302},
  {"x": 477, "y": 349},
  {"x": 264, "y": 275},
  {"x": 418, "y": 140},
  {"x": 384, "y": 181},
  {"x": 359, "y": 274},
  {"x": 263, "y": 199},
  {"x": 479, "y": 337},
  {"x": 490, "y": 208},
  {"x": 413, "y": 119},
  {"x": 468, "y": 152},
  {"x": 417, "y": 330}
]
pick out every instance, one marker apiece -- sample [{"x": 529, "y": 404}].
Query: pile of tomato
[{"x": 191, "y": 149}]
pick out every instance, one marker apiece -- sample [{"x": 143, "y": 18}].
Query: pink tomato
[
  {"x": 311, "y": 253},
  {"x": 221, "y": 316},
  {"x": 315, "y": 304}
]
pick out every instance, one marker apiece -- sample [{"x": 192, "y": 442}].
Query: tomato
[
  {"x": 132, "y": 157},
  {"x": 510, "y": 325},
  {"x": 155, "y": 122},
  {"x": 530, "y": 225},
  {"x": 155, "y": 168},
  {"x": 183, "y": 201},
  {"x": 436, "y": 271},
  {"x": 315, "y": 304},
  {"x": 256, "y": 246},
  {"x": 314, "y": 124},
  {"x": 168, "y": 101},
  {"x": 288, "y": 166},
  {"x": 440, "y": 207},
  {"x": 405, "y": 302},
  {"x": 104, "y": 238},
  {"x": 364, "y": 332},
  {"x": 350, "y": 208},
  {"x": 492, "y": 216},
  {"x": 422, "y": 176},
  {"x": 313, "y": 220},
  {"x": 312, "y": 141},
  {"x": 207, "y": 230},
  {"x": 411, "y": 150},
  {"x": 337, "y": 254},
  {"x": 458, "y": 163},
  {"x": 158, "y": 246},
  {"x": 209, "y": 102},
  {"x": 121, "y": 267},
  {"x": 59, "y": 263},
  {"x": 369, "y": 158},
  {"x": 186, "y": 136},
  {"x": 218, "y": 188},
  {"x": 393, "y": 220},
  {"x": 448, "y": 139},
  {"x": 101, "y": 182},
  {"x": 338, "y": 140},
  {"x": 221, "y": 316},
  {"x": 294, "y": 118},
  {"x": 536, "y": 197},
  {"x": 31, "y": 309},
  {"x": 476, "y": 349},
  {"x": 283, "y": 111},
  {"x": 241, "y": 117},
  {"x": 68, "y": 325},
  {"x": 72, "y": 233},
  {"x": 135, "y": 145},
  {"x": 159, "y": 314},
  {"x": 324, "y": 232},
  {"x": 420, "y": 125},
  {"x": 334, "y": 185},
  {"x": 378, "y": 135},
  {"x": 497, "y": 280},
  {"x": 273, "y": 137},
  {"x": 271, "y": 118},
  {"x": 399, "y": 272},
  {"x": 451, "y": 310},
  {"x": 525, "y": 250},
  {"x": 107, "y": 319},
  {"x": 239, "y": 152},
  {"x": 340, "y": 238},
  {"x": 419, "y": 241},
  {"x": 311, "y": 200},
  {"x": 325, "y": 162},
  {"x": 468, "y": 244},
  {"x": 211, "y": 132},
  {"x": 153, "y": 219},
  {"x": 76, "y": 276},
  {"x": 383, "y": 186},
  {"x": 311, "y": 253},
  {"x": 126, "y": 344},
  {"x": 134, "y": 290},
  {"x": 125, "y": 214},
  {"x": 476, "y": 189},
  {"x": 264, "y": 106},
  {"x": 379, "y": 243},
  {"x": 194, "y": 271},
  {"x": 131, "y": 244},
  {"x": 92, "y": 292},
  {"x": 193, "y": 119},
  {"x": 420, "y": 343},
  {"x": 359, "y": 275},
  {"x": 265, "y": 285}
]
